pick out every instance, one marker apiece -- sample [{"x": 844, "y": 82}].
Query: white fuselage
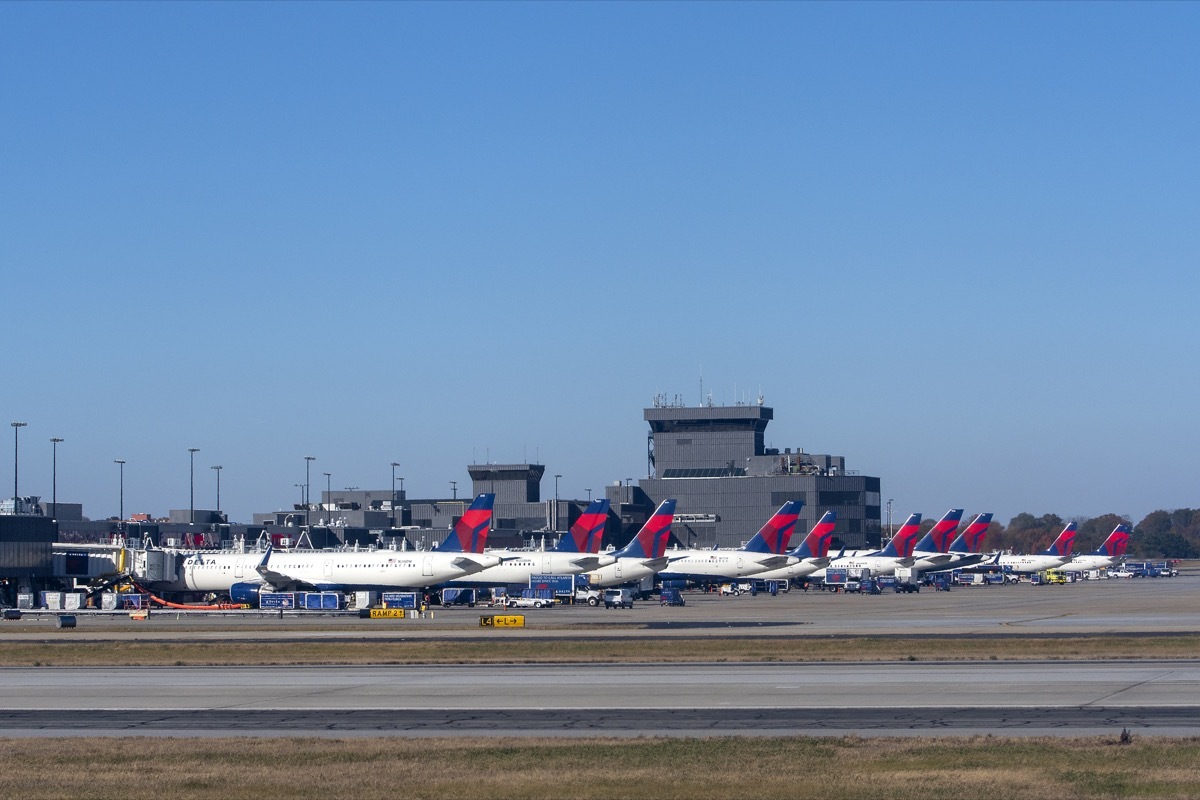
[
  {"x": 1027, "y": 565},
  {"x": 519, "y": 565},
  {"x": 1092, "y": 561},
  {"x": 801, "y": 569},
  {"x": 624, "y": 570},
  {"x": 216, "y": 572},
  {"x": 377, "y": 569},
  {"x": 879, "y": 565},
  {"x": 937, "y": 562},
  {"x": 700, "y": 565}
]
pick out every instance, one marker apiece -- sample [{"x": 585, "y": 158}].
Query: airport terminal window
[{"x": 839, "y": 498}]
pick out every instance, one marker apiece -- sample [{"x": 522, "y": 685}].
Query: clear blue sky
[{"x": 955, "y": 242}]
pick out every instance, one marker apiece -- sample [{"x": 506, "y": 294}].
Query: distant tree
[
  {"x": 1092, "y": 532},
  {"x": 1155, "y": 523}
]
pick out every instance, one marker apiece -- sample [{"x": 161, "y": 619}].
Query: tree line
[{"x": 1160, "y": 535}]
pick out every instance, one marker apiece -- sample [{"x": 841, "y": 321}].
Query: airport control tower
[{"x": 713, "y": 460}]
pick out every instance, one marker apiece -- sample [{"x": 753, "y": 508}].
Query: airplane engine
[{"x": 246, "y": 593}]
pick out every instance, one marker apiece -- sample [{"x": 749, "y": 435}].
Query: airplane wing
[
  {"x": 468, "y": 565},
  {"x": 656, "y": 564},
  {"x": 819, "y": 562},
  {"x": 905, "y": 562},
  {"x": 774, "y": 562},
  {"x": 586, "y": 563},
  {"x": 278, "y": 581},
  {"x": 938, "y": 558}
]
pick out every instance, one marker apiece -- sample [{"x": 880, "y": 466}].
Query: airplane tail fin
[
  {"x": 651, "y": 540},
  {"x": 971, "y": 539},
  {"x": 816, "y": 544},
  {"x": 775, "y": 535},
  {"x": 941, "y": 534},
  {"x": 588, "y": 530},
  {"x": 905, "y": 540},
  {"x": 1116, "y": 543},
  {"x": 471, "y": 531},
  {"x": 1061, "y": 546}
]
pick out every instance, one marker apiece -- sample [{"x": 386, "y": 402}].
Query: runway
[{"x": 1062, "y": 698}]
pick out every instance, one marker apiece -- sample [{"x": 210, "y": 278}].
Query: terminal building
[{"x": 713, "y": 461}]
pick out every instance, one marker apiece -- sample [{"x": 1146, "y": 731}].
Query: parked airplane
[
  {"x": 766, "y": 551},
  {"x": 933, "y": 551},
  {"x": 1106, "y": 555},
  {"x": 813, "y": 552},
  {"x": 1057, "y": 554},
  {"x": 967, "y": 549},
  {"x": 898, "y": 553},
  {"x": 575, "y": 553},
  {"x": 643, "y": 556},
  {"x": 346, "y": 570}
]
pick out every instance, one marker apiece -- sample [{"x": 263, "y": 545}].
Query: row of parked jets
[{"x": 463, "y": 560}]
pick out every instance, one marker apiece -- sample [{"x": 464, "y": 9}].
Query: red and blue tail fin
[
  {"x": 1116, "y": 543},
  {"x": 1061, "y": 546},
  {"x": 651, "y": 540},
  {"x": 775, "y": 535},
  {"x": 905, "y": 540},
  {"x": 971, "y": 539},
  {"x": 816, "y": 544},
  {"x": 471, "y": 531},
  {"x": 588, "y": 530},
  {"x": 942, "y": 533}
]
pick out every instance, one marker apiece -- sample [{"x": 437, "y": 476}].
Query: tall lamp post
[
  {"x": 192, "y": 484},
  {"x": 394, "y": 465},
  {"x": 54, "y": 477},
  {"x": 328, "y": 493},
  {"x": 218, "y": 468},
  {"x": 121, "y": 463},
  {"x": 16, "y": 426},
  {"x": 589, "y": 495},
  {"x": 889, "y": 512},
  {"x": 556, "y": 477},
  {"x": 307, "y": 482},
  {"x": 454, "y": 490}
]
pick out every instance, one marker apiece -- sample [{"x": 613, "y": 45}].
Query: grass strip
[
  {"x": 517, "y": 650},
  {"x": 844, "y": 768}
]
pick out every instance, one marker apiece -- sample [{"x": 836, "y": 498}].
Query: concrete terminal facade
[{"x": 713, "y": 460}]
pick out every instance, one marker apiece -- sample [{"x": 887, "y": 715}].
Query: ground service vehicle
[
  {"x": 671, "y": 597},
  {"x": 618, "y": 598},
  {"x": 528, "y": 602},
  {"x": 593, "y": 597}
]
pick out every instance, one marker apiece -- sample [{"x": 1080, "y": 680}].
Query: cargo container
[
  {"x": 459, "y": 597},
  {"x": 365, "y": 599},
  {"x": 277, "y": 600}
]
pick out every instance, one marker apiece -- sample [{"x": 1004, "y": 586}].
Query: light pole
[
  {"x": 328, "y": 492},
  {"x": 121, "y": 462},
  {"x": 192, "y": 484},
  {"x": 889, "y": 509},
  {"x": 300, "y": 486},
  {"x": 218, "y": 468},
  {"x": 589, "y": 495},
  {"x": 54, "y": 478},
  {"x": 394, "y": 465},
  {"x": 454, "y": 490},
  {"x": 556, "y": 477},
  {"x": 16, "y": 426},
  {"x": 307, "y": 482}
]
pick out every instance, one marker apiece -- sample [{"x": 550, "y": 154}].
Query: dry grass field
[
  {"x": 26, "y": 653},
  {"x": 604, "y": 769}
]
